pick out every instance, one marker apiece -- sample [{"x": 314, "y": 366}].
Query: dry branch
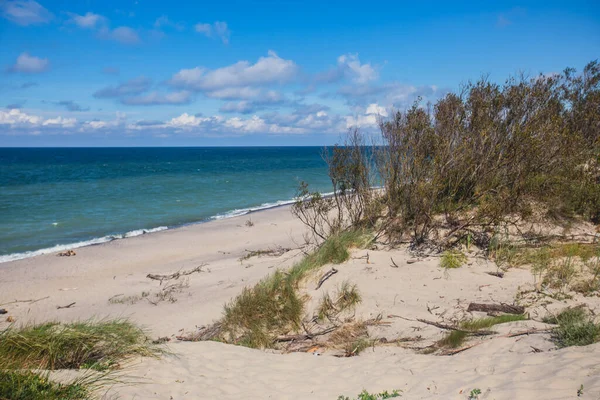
[
  {"x": 394, "y": 265},
  {"x": 327, "y": 275},
  {"x": 67, "y": 306},
  {"x": 31, "y": 301},
  {"x": 498, "y": 274},
  {"x": 304, "y": 336},
  {"x": 176, "y": 275},
  {"x": 502, "y": 307}
]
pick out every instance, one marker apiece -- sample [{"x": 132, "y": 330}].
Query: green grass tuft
[
  {"x": 98, "y": 345},
  {"x": 273, "y": 307},
  {"x": 455, "y": 339},
  {"x": 364, "y": 395},
  {"x": 452, "y": 259},
  {"x": 575, "y": 328},
  {"x": 26, "y": 385}
]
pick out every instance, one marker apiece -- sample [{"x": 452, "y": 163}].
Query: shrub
[
  {"x": 575, "y": 328},
  {"x": 364, "y": 395}
]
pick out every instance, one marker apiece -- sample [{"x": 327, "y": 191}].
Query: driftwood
[
  {"x": 529, "y": 332},
  {"x": 176, "y": 275},
  {"x": 67, "y": 306},
  {"x": 304, "y": 336},
  {"x": 327, "y": 275},
  {"x": 26, "y": 301},
  {"x": 454, "y": 328},
  {"x": 502, "y": 307},
  {"x": 456, "y": 351},
  {"x": 498, "y": 274}
]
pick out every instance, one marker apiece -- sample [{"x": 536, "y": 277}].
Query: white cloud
[
  {"x": 185, "y": 121},
  {"x": 376, "y": 109},
  {"x": 267, "y": 70},
  {"x": 25, "y": 12},
  {"x": 218, "y": 29},
  {"x": 122, "y": 34},
  {"x": 359, "y": 73},
  {"x": 87, "y": 21},
  {"x": 16, "y": 117},
  {"x": 60, "y": 121},
  {"x": 155, "y": 98},
  {"x": 164, "y": 22},
  {"x": 29, "y": 64}
]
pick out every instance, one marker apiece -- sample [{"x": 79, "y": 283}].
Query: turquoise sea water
[{"x": 55, "y": 198}]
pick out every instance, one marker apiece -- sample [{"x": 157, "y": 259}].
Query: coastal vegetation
[{"x": 99, "y": 348}]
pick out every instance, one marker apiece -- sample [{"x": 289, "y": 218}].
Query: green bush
[{"x": 575, "y": 328}]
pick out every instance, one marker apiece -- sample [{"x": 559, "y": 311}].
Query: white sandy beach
[{"x": 521, "y": 367}]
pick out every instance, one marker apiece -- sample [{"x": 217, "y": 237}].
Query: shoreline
[{"x": 141, "y": 231}]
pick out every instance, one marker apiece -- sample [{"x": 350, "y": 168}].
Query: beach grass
[
  {"x": 27, "y": 385},
  {"x": 456, "y": 338},
  {"x": 98, "y": 345},
  {"x": 575, "y": 328},
  {"x": 273, "y": 306}
]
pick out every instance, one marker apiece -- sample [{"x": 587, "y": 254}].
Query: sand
[{"x": 522, "y": 367}]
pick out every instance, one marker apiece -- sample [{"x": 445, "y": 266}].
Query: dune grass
[
  {"x": 456, "y": 338},
  {"x": 26, "y": 385},
  {"x": 98, "y": 345},
  {"x": 452, "y": 259},
  {"x": 575, "y": 328},
  {"x": 346, "y": 298},
  {"x": 273, "y": 306}
]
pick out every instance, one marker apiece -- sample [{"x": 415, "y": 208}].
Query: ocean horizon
[{"x": 58, "y": 198}]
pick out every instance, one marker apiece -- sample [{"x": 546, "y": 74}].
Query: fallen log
[
  {"x": 327, "y": 275},
  {"x": 176, "y": 275},
  {"x": 502, "y": 307}
]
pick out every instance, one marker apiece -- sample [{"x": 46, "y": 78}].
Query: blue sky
[{"x": 156, "y": 73}]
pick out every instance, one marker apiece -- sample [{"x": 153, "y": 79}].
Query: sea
[{"x": 53, "y": 199}]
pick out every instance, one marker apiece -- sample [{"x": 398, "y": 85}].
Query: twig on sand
[
  {"x": 305, "y": 336},
  {"x": 497, "y": 274},
  {"x": 394, "y": 265},
  {"x": 456, "y": 351},
  {"x": 67, "y": 306},
  {"x": 31, "y": 301},
  {"x": 326, "y": 276},
  {"x": 453, "y": 328},
  {"x": 502, "y": 307},
  {"x": 529, "y": 332},
  {"x": 176, "y": 275},
  {"x": 116, "y": 295}
]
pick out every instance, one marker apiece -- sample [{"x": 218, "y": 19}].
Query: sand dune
[{"x": 523, "y": 367}]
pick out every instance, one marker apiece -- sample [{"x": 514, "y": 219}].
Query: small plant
[
  {"x": 575, "y": 328},
  {"x": 346, "y": 298},
  {"x": 474, "y": 395},
  {"x": 249, "y": 223},
  {"x": 364, "y": 395},
  {"x": 26, "y": 385},
  {"x": 560, "y": 275},
  {"x": 580, "y": 391},
  {"x": 456, "y": 338},
  {"x": 354, "y": 348},
  {"x": 452, "y": 259}
]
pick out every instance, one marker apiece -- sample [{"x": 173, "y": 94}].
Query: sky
[{"x": 252, "y": 73}]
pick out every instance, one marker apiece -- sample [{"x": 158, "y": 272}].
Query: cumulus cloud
[
  {"x": 15, "y": 118},
  {"x": 155, "y": 98},
  {"x": 349, "y": 67},
  {"x": 217, "y": 29},
  {"x": 133, "y": 86},
  {"x": 29, "y": 64},
  {"x": 267, "y": 70},
  {"x": 25, "y": 12},
  {"x": 87, "y": 21}
]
